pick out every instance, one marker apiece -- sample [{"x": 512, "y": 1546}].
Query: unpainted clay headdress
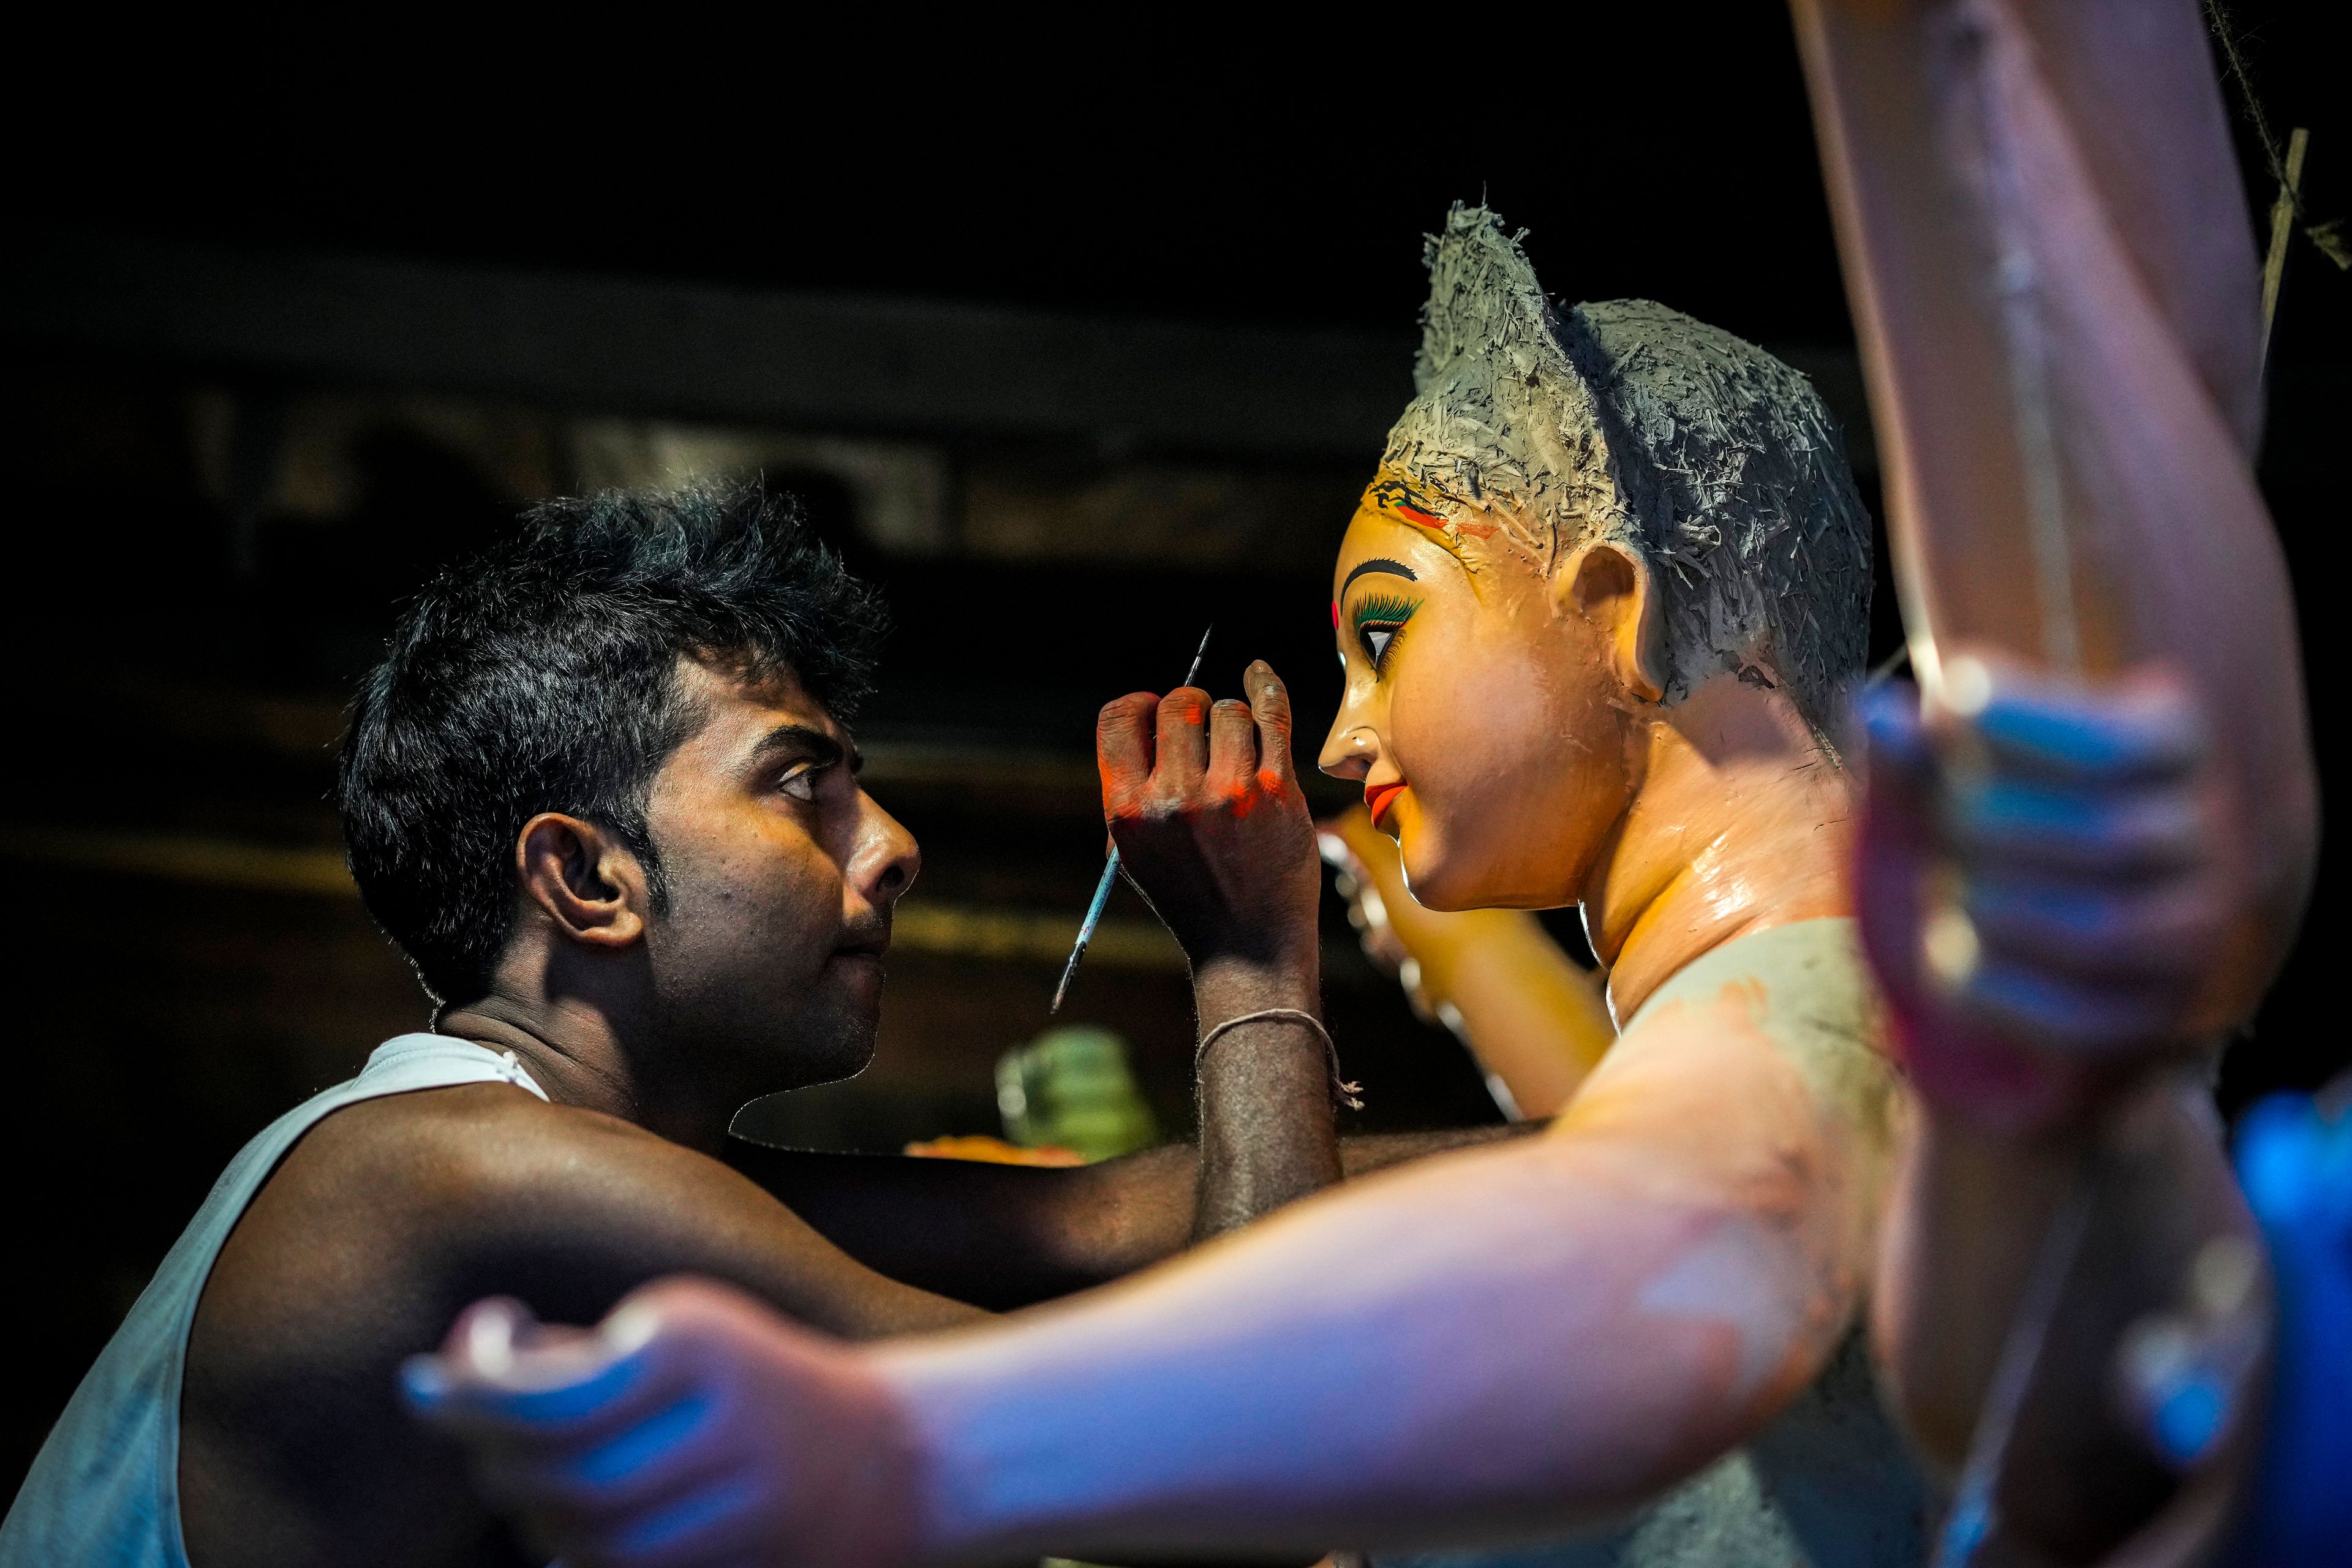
[{"x": 1535, "y": 428}]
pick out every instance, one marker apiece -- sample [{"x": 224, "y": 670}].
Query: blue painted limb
[
  {"x": 2294, "y": 1160},
  {"x": 2144, "y": 732}
]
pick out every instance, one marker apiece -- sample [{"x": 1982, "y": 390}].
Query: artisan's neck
[
  {"x": 582, "y": 1031},
  {"x": 1741, "y": 820}
]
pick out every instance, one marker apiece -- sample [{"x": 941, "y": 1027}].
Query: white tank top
[{"x": 105, "y": 1491}]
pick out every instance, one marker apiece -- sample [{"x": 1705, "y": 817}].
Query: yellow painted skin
[
  {"x": 1522, "y": 713},
  {"x": 1513, "y": 734},
  {"x": 1536, "y": 1023}
]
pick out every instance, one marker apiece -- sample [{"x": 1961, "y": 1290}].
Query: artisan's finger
[
  {"x": 1896, "y": 854},
  {"x": 1233, "y": 745},
  {"x": 1124, "y": 744},
  {"x": 1183, "y": 738},
  {"x": 1269, "y": 702}
]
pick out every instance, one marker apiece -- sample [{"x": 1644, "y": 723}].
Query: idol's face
[{"x": 1483, "y": 712}]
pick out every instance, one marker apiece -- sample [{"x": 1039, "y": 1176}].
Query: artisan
[{"x": 604, "y": 794}]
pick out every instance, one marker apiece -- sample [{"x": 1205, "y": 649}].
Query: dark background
[{"x": 291, "y": 318}]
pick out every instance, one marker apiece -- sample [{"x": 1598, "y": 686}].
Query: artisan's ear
[
  {"x": 1613, "y": 589},
  {"x": 586, "y": 880}
]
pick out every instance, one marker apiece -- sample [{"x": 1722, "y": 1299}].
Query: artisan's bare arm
[
  {"x": 1203, "y": 801},
  {"x": 1002, "y": 1236},
  {"x": 384, "y": 1221}
]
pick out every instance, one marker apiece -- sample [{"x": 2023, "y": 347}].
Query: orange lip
[{"x": 1377, "y": 799}]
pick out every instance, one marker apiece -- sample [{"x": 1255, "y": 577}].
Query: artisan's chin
[
  {"x": 855, "y": 976},
  {"x": 861, "y": 961},
  {"x": 838, "y": 1047}
]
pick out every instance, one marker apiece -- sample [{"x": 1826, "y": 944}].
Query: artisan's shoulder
[
  {"x": 373, "y": 1232},
  {"x": 476, "y": 1162},
  {"x": 447, "y": 1195}
]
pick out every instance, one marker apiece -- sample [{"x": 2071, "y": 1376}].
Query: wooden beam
[{"x": 801, "y": 361}]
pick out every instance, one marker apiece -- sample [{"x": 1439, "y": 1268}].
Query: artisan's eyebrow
[
  {"x": 809, "y": 741},
  {"x": 1394, "y": 568}
]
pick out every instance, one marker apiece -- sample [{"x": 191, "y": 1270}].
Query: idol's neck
[{"x": 1741, "y": 819}]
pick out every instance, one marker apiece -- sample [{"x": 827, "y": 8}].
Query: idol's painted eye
[{"x": 1378, "y": 617}]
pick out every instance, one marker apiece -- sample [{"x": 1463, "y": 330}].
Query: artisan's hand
[
  {"x": 1211, "y": 826},
  {"x": 2042, "y": 886},
  {"x": 694, "y": 1427}
]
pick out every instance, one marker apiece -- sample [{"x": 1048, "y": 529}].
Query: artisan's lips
[
  {"x": 1378, "y": 796},
  {"x": 868, "y": 942}
]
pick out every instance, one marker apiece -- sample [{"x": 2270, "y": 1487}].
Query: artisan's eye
[
  {"x": 1379, "y": 618},
  {"x": 800, "y": 780}
]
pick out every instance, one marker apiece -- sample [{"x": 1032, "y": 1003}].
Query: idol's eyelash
[{"x": 1383, "y": 610}]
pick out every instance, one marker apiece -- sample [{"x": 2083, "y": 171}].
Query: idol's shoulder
[
  {"x": 1779, "y": 1031},
  {"x": 1805, "y": 985}
]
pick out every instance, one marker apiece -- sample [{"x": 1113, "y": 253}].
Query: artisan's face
[
  {"x": 783, "y": 874},
  {"x": 1481, "y": 713}
]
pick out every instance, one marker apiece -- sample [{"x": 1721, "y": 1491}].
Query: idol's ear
[
  {"x": 587, "y": 883},
  {"x": 1614, "y": 589}
]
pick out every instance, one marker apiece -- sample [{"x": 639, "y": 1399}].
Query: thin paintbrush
[{"x": 1111, "y": 867}]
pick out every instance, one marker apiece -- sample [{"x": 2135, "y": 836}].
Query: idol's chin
[
  {"x": 1427, "y": 877},
  {"x": 1438, "y": 877}
]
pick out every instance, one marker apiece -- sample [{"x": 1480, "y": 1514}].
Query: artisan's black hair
[{"x": 541, "y": 675}]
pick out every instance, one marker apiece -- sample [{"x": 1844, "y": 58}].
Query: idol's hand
[
  {"x": 694, "y": 1428},
  {"x": 1415, "y": 944},
  {"x": 1206, "y": 811},
  {"x": 2043, "y": 882}
]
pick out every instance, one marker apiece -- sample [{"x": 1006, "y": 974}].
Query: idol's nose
[{"x": 1349, "y": 750}]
